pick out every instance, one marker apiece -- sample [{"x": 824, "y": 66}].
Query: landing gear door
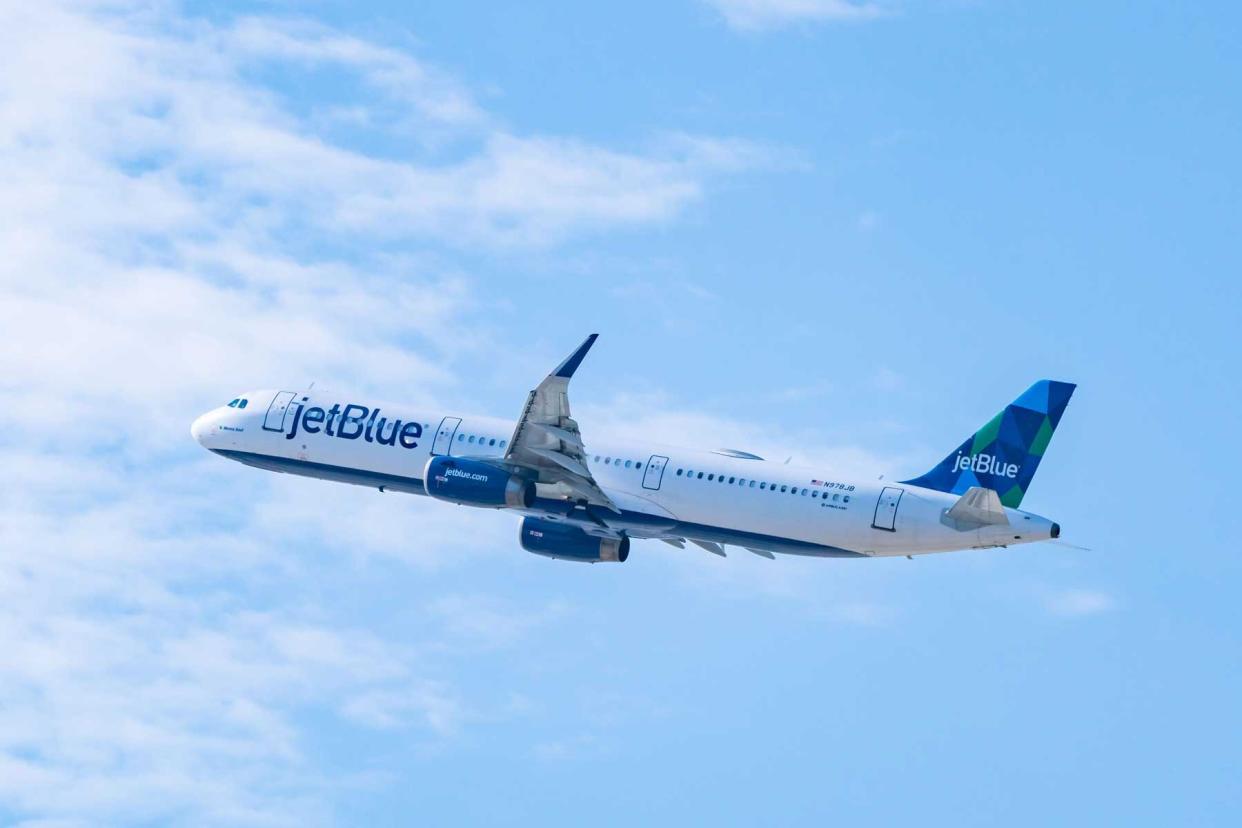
[
  {"x": 444, "y": 436},
  {"x": 275, "y": 418},
  {"x": 654, "y": 474},
  {"x": 886, "y": 509}
]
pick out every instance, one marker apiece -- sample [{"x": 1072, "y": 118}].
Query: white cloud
[
  {"x": 174, "y": 229},
  {"x": 429, "y": 92},
  {"x": 427, "y": 703},
  {"x": 864, "y": 613},
  {"x": 755, "y": 15},
  {"x": 171, "y": 104},
  {"x": 149, "y": 672},
  {"x": 1074, "y": 603},
  {"x": 479, "y": 621},
  {"x": 194, "y": 196}
]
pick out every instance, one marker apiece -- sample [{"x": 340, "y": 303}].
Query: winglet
[{"x": 575, "y": 359}]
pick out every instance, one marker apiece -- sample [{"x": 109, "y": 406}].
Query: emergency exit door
[
  {"x": 444, "y": 436},
  {"x": 655, "y": 472}
]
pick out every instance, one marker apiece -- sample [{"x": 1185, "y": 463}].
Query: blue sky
[{"x": 843, "y": 233}]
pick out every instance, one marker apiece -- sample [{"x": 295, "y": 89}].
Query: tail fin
[{"x": 1004, "y": 454}]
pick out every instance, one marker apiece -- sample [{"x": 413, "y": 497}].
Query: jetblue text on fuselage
[
  {"x": 353, "y": 422},
  {"x": 983, "y": 463}
]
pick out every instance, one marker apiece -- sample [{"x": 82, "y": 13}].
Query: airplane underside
[{"x": 590, "y": 518}]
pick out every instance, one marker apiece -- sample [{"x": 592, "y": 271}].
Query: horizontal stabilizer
[{"x": 978, "y": 507}]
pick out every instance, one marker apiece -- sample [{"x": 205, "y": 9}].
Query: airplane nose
[{"x": 200, "y": 428}]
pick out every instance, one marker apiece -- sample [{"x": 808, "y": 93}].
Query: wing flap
[
  {"x": 572, "y": 438},
  {"x": 564, "y": 461},
  {"x": 710, "y": 546}
]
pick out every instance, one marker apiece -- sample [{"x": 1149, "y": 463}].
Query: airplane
[{"x": 586, "y": 500}]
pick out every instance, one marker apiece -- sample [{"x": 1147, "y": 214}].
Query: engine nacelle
[
  {"x": 569, "y": 543},
  {"x": 476, "y": 483}
]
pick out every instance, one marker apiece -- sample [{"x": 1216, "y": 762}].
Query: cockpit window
[
  {"x": 242, "y": 404},
  {"x": 238, "y": 403},
  {"x": 233, "y": 403}
]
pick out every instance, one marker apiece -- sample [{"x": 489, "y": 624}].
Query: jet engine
[
  {"x": 476, "y": 483},
  {"x": 569, "y": 543}
]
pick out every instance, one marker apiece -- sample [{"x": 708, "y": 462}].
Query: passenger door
[{"x": 275, "y": 418}]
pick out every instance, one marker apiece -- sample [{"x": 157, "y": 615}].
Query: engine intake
[
  {"x": 476, "y": 483},
  {"x": 569, "y": 543}
]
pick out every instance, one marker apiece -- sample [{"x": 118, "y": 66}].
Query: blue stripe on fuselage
[
  {"x": 563, "y": 508},
  {"x": 323, "y": 471}
]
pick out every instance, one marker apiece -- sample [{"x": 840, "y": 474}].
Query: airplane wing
[{"x": 547, "y": 439}]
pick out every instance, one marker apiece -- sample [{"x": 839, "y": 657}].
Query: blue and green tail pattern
[{"x": 1004, "y": 454}]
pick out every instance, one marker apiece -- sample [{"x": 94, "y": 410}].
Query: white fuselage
[{"x": 661, "y": 491}]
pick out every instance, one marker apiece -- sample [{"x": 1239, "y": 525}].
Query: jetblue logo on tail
[
  {"x": 984, "y": 463},
  {"x": 353, "y": 422},
  {"x": 1019, "y": 433}
]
